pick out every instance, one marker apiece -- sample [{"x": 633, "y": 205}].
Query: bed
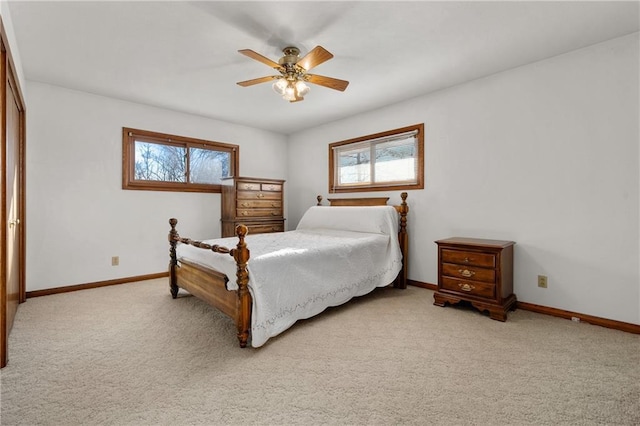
[{"x": 336, "y": 252}]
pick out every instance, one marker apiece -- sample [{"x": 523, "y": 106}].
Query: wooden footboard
[{"x": 209, "y": 284}]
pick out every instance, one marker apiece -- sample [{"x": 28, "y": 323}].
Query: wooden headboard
[{"x": 371, "y": 201}]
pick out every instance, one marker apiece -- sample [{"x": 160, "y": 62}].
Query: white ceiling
[{"x": 182, "y": 55}]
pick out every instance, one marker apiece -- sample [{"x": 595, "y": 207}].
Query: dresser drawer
[
  {"x": 259, "y": 195},
  {"x": 265, "y": 228},
  {"x": 259, "y": 212},
  {"x": 474, "y": 288},
  {"x": 249, "y": 186},
  {"x": 271, "y": 187},
  {"x": 486, "y": 260},
  {"x": 469, "y": 272},
  {"x": 256, "y": 186},
  {"x": 245, "y": 204}
]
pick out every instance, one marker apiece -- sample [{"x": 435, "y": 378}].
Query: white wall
[
  {"x": 7, "y": 22},
  {"x": 78, "y": 215},
  {"x": 545, "y": 155}
]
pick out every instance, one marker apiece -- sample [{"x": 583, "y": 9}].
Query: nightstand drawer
[
  {"x": 486, "y": 260},
  {"x": 474, "y": 288},
  {"x": 469, "y": 272}
]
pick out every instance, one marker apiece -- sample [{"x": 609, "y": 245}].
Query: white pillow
[{"x": 372, "y": 219}]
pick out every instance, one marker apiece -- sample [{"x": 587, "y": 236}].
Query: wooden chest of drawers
[
  {"x": 478, "y": 271},
  {"x": 255, "y": 202}
]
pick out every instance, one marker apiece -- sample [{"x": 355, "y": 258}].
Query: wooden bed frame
[{"x": 210, "y": 285}]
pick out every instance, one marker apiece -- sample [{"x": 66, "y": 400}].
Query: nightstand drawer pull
[
  {"x": 465, "y": 287},
  {"x": 466, "y": 273}
]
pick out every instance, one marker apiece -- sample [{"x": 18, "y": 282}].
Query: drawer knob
[
  {"x": 245, "y": 205},
  {"x": 244, "y": 213},
  {"x": 465, "y": 287},
  {"x": 466, "y": 260},
  {"x": 260, "y": 195},
  {"x": 466, "y": 273}
]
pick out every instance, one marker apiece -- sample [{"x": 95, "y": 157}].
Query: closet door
[
  {"x": 13, "y": 251},
  {"x": 14, "y": 231}
]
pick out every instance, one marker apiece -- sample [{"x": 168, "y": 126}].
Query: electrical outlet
[
  {"x": 115, "y": 261},
  {"x": 542, "y": 281}
]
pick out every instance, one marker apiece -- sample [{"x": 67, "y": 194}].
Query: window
[
  {"x": 387, "y": 161},
  {"x": 160, "y": 162}
]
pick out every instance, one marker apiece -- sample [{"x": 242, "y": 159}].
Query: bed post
[
  {"x": 243, "y": 303},
  {"x": 173, "y": 260},
  {"x": 403, "y": 239}
]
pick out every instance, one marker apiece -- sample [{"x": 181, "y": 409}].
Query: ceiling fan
[{"x": 291, "y": 83}]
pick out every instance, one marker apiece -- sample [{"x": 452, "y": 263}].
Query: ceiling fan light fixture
[
  {"x": 280, "y": 85},
  {"x": 289, "y": 93},
  {"x": 301, "y": 88}
]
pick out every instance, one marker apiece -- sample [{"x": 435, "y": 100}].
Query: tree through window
[{"x": 156, "y": 161}]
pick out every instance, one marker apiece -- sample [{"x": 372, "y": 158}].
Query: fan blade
[
  {"x": 258, "y": 57},
  {"x": 314, "y": 58},
  {"x": 257, "y": 80},
  {"x": 331, "y": 83}
]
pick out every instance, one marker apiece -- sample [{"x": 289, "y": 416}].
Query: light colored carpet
[{"x": 130, "y": 355}]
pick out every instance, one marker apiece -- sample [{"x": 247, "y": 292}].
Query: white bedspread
[{"x": 298, "y": 274}]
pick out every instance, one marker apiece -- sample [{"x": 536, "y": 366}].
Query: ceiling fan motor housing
[
  {"x": 291, "y": 55},
  {"x": 292, "y": 71}
]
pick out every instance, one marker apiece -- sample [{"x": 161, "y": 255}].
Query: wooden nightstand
[{"x": 478, "y": 271}]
